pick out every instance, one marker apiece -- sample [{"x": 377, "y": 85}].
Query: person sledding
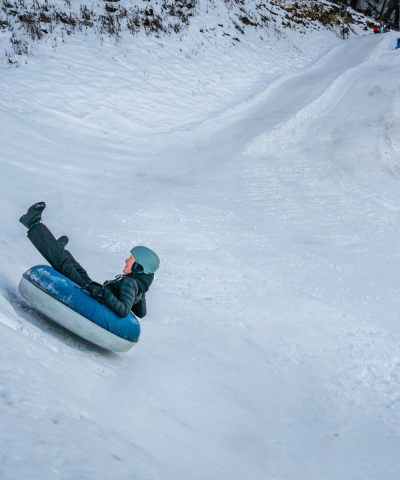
[{"x": 127, "y": 292}]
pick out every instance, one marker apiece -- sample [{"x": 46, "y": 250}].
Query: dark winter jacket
[{"x": 127, "y": 293}]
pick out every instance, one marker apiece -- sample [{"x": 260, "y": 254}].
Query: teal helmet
[{"x": 146, "y": 258}]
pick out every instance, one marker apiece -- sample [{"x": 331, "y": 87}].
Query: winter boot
[
  {"x": 62, "y": 241},
  {"x": 33, "y": 215}
]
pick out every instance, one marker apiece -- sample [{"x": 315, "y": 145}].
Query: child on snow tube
[{"x": 123, "y": 294}]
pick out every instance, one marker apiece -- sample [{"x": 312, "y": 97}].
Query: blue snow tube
[{"x": 55, "y": 296}]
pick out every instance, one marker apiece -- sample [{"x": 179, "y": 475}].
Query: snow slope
[{"x": 271, "y": 346}]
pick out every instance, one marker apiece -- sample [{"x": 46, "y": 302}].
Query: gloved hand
[{"x": 95, "y": 291}]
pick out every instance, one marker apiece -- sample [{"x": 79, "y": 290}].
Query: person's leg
[
  {"x": 78, "y": 267},
  {"x": 60, "y": 259}
]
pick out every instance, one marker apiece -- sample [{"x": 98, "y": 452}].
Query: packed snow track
[{"x": 271, "y": 348}]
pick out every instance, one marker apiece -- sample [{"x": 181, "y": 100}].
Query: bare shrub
[{"x": 20, "y": 47}]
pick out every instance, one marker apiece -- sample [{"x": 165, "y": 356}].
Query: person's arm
[
  {"x": 128, "y": 291},
  {"x": 140, "y": 309}
]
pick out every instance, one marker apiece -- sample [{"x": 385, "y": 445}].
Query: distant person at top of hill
[{"x": 127, "y": 292}]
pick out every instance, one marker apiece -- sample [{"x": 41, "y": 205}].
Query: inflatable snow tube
[{"x": 54, "y": 295}]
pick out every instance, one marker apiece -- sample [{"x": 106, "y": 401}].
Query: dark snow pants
[{"x": 59, "y": 258}]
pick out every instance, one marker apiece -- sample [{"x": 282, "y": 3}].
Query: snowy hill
[
  {"x": 165, "y": 78},
  {"x": 27, "y": 23},
  {"x": 265, "y": 174}
]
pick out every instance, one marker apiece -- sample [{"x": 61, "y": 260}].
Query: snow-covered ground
[{"x": 267, "y": 179}]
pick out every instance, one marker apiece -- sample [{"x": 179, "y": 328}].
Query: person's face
[{"x": 128, "y": 264}]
